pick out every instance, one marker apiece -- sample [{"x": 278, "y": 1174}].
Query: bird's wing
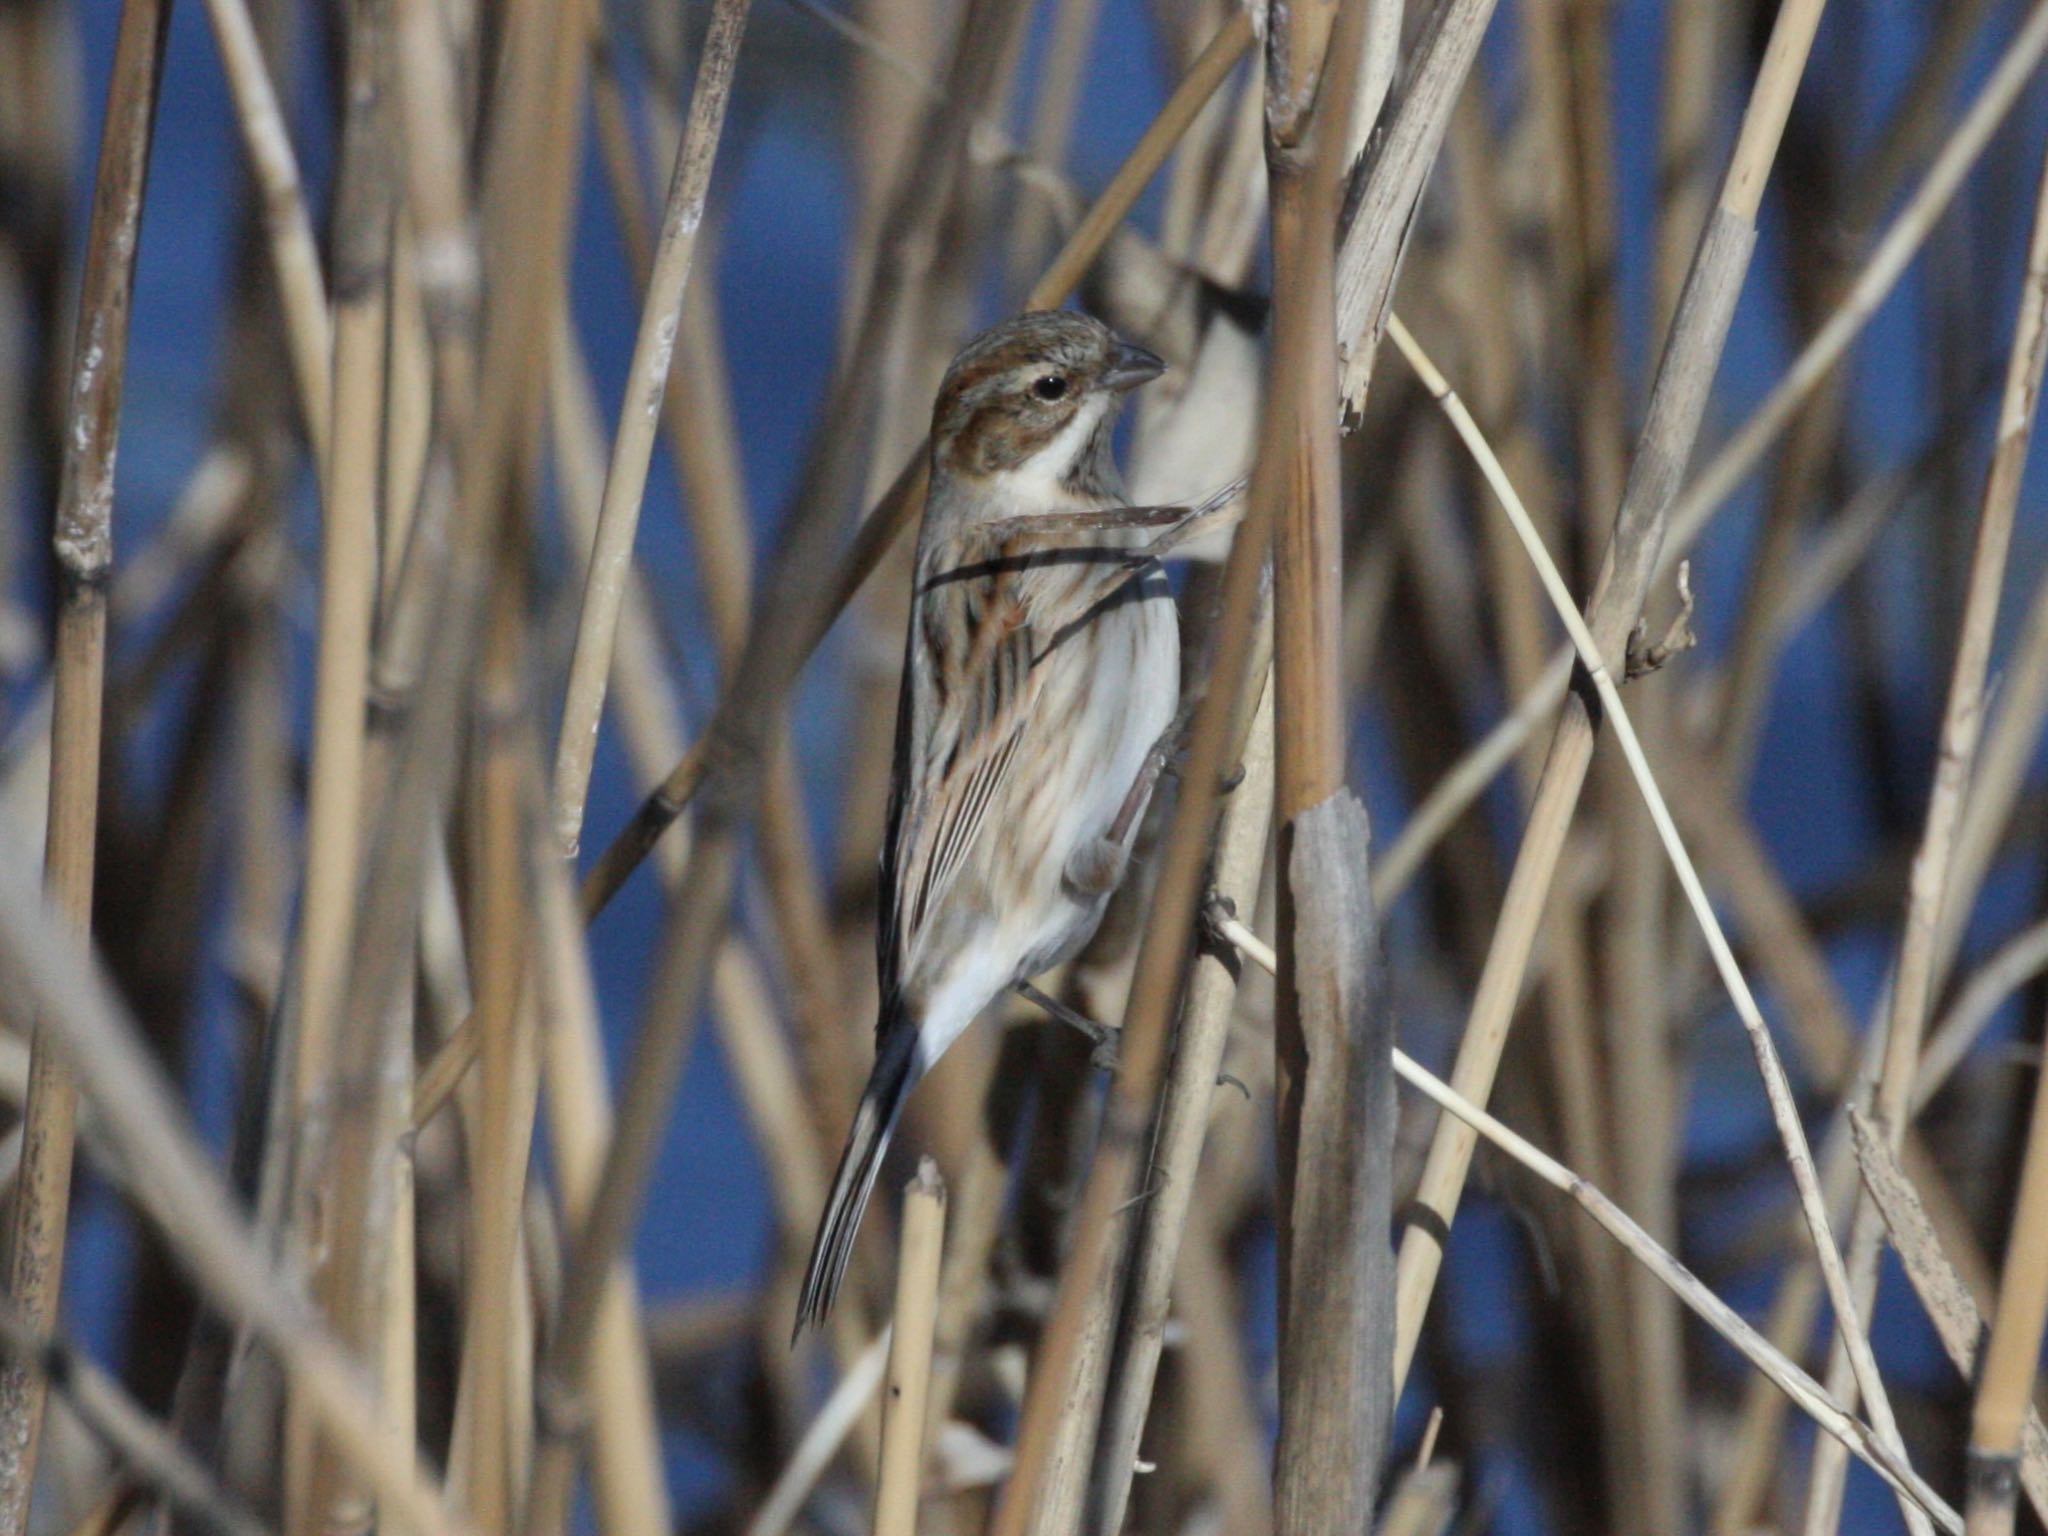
[{"x": 991, "y": 603}]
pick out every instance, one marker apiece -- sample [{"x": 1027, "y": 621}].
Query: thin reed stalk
[
  {"x": 898, "y": 1489},
  {"x": 1804, "y": 1391},
  {"x": 1677, "y": 404},
  {"x": 1185, "y": 1103},
  {"x": 626, "y": 479},
  {"x": 1961, "y": 729},
  {"x": 82, "y": 540}
]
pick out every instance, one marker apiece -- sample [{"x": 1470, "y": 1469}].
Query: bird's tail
[{"x": 881, "y": 1102}]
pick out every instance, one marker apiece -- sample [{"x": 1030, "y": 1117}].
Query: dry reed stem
[
  {"x": 365, "y": 200},
  {"x": 1902, "y": 239},
  {"x": 161, "y": 1167},
  {"x": 627, "y": 1478},
  {"x": 1961, "y": 729},
  {"x": 639, "y": 415},
  {"x": 1375, "y": 239},
  {"x": 1185, "y": 1104},
  {"x": 294, "y": 254},
  {"x": 821, "y": 1441},
  {"x": 910, "y": 1352},
  {"x": 145, "y": 1446},
  {"x": 1677, "y": 404},
  {"x": 739, "y": 737},
  {"x": 1778, "y": 1089},
  {"x": 1333, "y": 1200},
  {"x": 82, "y": 540},
  {"x": 2012, "y": 1353},
  {"x": 497, "y": 941},
  {"x": 1944, "y": 1295},
  {"x": 882, "y": 526},
  {"x": 1804, "y": 1391}
]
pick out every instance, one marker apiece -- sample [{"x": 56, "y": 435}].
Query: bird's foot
[{"x": 1102, "y": 1036}]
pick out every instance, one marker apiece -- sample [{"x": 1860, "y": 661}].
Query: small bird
[{"x": 1041, "y": 672}]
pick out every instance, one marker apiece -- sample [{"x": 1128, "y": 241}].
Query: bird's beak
[{"x": 1129, "y": 366}]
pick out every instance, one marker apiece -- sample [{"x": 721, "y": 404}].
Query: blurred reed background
[{"x": 429, "y": 1182}]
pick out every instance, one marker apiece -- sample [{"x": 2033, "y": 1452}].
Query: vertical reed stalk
[
  {"x": 1961, "y": 729},
  {"x": 639, "y": 416},
  {"x": 82, "y": 538},
  {"x": 1677, "y": 404},
  {"x": 910, "y": 1353}
]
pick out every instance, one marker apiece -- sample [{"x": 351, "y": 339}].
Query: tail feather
[{"x": 881, "y": 1103}]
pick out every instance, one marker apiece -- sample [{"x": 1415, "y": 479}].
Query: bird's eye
[{"x": 1051, "y": 387}]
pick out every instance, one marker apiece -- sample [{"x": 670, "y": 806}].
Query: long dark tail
[{"x": 881, "y": 1102}]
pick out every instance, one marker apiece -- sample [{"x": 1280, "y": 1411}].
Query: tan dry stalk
[
  {"x": 82, "y": 539},
  {"x": 1808, "y": 1394},
  {"x": 1895, "y": 249},
  {"x": 1677, "y": 404},
  {"x": 1333, "y": 1203},
  {"x": 910, "y": 1352},
  {"x": 294, "y": 254},
  {"x": 497, "y": 936},
  {"x": 1777, "y": 1087},
  {"x": 630, "y": 1489},
  {"x": 2012, "y": 1354},
  {"x": 821, "y": 1441},
  {"x": 639, "y": 415},
  {"x": 161, "y": 1166},
  {"x": 1944, "y": 1295},
  {"x": 1185, "y": 1104},
  {"x": 336, "y": 798},
  {"x": 1961, "y": 728}
]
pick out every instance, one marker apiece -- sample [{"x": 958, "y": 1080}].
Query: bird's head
[{"x": 1036, "y": 397}]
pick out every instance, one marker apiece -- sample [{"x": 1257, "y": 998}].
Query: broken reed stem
[
  {"x": 1333, "y": 1206},
  {"x": 1912, "y": 989},
  {"x": 627, "y": 1481},
  {"x": 1777, "y": 1087},
  {"x": 910, "y": 1352},
  {"x": 881, "y": 528},
  {"x": 1677, "y": 405},
  {"x": 1801, "y": 1388},
  {"x": 294, "y": 253},
  {"x": 625, "y": 485},
  {"x": 82, "y": 540}
]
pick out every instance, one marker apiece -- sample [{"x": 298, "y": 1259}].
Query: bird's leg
[{"x": 1101, "y": 1036}]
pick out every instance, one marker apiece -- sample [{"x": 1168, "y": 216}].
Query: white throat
[{"x": 1042, "y": 478}]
